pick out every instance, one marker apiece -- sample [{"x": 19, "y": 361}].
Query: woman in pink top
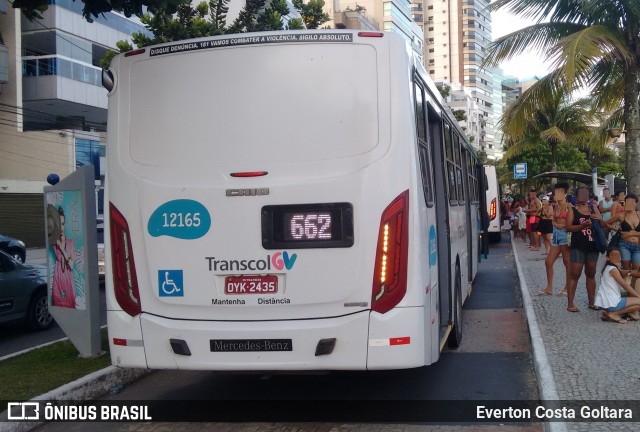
[{"x": 64, "y": 294}]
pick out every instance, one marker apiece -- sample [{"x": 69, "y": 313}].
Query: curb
[
  {"x": 546, "y": 381},
  {"x": 88, "y": 387}
]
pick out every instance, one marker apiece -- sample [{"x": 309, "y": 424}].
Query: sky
[{"x": 526, "y": 65}]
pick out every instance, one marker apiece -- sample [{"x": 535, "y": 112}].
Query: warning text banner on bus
[
  {"x": 250, "y": 40},
  {"x": 362, "y": 411}
]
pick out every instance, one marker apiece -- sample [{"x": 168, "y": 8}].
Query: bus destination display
[
  {"x": 300, "y": 226},
  {"x": 307, "y": 226}
]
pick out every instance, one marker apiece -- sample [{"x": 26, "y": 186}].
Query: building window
[
  {"x": 88, "y": 153},
  {"x": 62, "y": 67}
]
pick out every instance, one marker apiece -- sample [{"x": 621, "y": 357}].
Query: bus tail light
[
  {"x": 134, "y": 52},
  {"x": 390, "y": 270},
  {"x": 125, "y": 279},
  {"x": 371, "y": 34},
  {"x": 493, "y": 209}
]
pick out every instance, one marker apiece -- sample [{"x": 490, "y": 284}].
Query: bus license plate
[{"x": 251, "y": 284}]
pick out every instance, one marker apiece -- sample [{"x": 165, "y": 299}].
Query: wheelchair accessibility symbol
[{"x": 170, "y": 283}]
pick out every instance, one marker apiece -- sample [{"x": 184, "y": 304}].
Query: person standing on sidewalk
[
  {"x": 559, "y": 239},
  {"x": 534, "y": 219},
  {"x": 546, "y": 224},
  {"x": 583, "y": 253},
  {"x": 630, "y": 233},
  {"x": 605, "y": 209},
  {"x": 523, "y": 219},
  {"x": 618, "y": 204}
]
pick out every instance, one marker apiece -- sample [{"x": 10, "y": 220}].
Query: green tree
[
  {"x": 460, "y": 114},
  {"x": 93, "y": 8},
  {"x": 538, "y": 161},
  {"x": 312, "y": 13},
  {"x": 295, "y": 24},
  {"x": 482, "y": 157},
  {"x": 557, "y": 121},
  {"x": 189, "y": 22},
  {"x": 247, "y": 19},
  {"x": 271, "y": 17},
  {"x": 123, "y": 46},
  {"x": 444, "y": 89},
  {"x": 206, "y": 19},
  {"x": 594, "y": 43}
]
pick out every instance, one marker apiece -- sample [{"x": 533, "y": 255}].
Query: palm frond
[
  {"x": 542, "y": 37},
  {"x": 528, "y": 143},
  {"x": 614, "y": 118},
  {"x": 579, "y": 53},
  {"x": 607, "y": 81},
  {"x": 631, "y": 9},
  {"x": 553, "y": 134},
  {"x": 545, "y": 92},
  {"x": 603, "y": 11},
  {"x": 540, "y": 9}
]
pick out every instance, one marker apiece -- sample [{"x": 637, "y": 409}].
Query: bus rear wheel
[
  {"x": 455, "y": 337},
  {"x": 495, "y": 237}
]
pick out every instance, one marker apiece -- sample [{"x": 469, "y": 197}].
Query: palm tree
[
  {"x": 556, "y": 122},
  {"x": 593, "y": 43}
]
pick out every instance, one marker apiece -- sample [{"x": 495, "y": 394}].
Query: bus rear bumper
[
  {"x": 397, "y": 339},
  {"x": 253, "y": 345},
  {"x": 363, "y": 341}
]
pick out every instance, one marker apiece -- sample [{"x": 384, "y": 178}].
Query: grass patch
[{"x": 31, "y": 374}]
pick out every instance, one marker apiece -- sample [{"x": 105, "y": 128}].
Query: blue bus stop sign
[{"x": 520, "y": 171}]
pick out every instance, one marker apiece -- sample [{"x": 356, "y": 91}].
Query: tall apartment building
[
  {"x": 53, "y": 108},
  {"x": 385, "y": 15},
  {"x": 495, "y": 150},
  {"x": 456, "y": 34}
]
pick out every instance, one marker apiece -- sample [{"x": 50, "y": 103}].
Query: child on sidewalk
[{"x": 608, "y": 296}]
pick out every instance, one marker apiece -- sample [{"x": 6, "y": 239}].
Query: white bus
[
  {"x": 285, "y": 201},
  {"x": 493, "y": 203}
]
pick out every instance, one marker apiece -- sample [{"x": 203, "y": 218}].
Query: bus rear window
[{"x": 251, "y": 105}]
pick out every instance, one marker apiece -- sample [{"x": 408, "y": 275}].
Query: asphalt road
[
  {"x": 14, "y": 337},
  {"x": 493, "y": 363}
]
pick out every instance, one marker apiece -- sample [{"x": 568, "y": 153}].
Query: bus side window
[
  {"x": 458, "y": 157},
  {"x": 423, "y": 149},
  {"x": 451, "y": 168},
  {"x": 419, "y": 101},
  {"x": 469, "y": 169}
]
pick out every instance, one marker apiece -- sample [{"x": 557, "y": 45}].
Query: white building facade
[
  {"x": 53, "y": 108},
  {"x": 457, "y": 34}
]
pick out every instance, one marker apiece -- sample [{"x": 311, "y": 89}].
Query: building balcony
[{"x": 67, "y": 94}]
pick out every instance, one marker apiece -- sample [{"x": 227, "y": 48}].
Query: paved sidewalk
[{"x": 590, "y": 359}]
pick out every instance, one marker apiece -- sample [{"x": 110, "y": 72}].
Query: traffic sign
[{"x": 520, "y": 171}]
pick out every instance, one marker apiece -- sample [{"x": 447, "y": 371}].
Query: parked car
[
  {"x": 14, "y": 247},
  {"x": 23, "y": 293}
]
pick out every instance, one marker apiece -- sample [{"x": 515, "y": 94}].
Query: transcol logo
[{"x": 278, "y": 261}]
